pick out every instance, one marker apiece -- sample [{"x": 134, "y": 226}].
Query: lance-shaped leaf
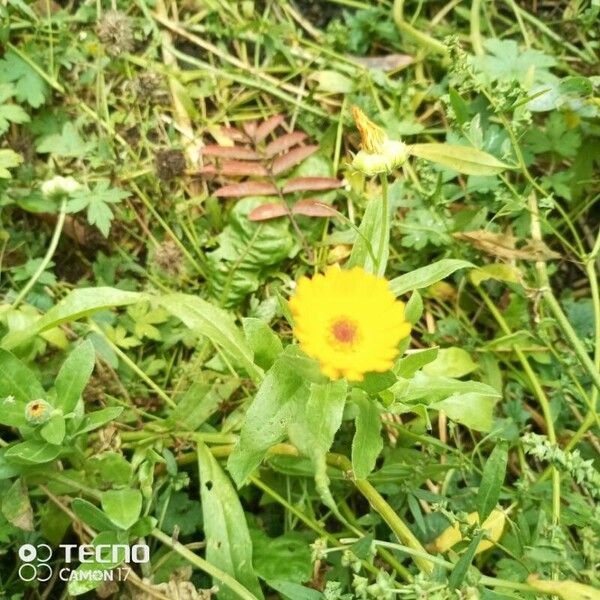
[
  {"x": 283, "y": 143},
  {"x": 306, "y": 208},
  {"x": 235, "y": 168},
  {"x": 268, "y": 126},
  {"x": 311, "y": 184},
  {"x": 231, "y": 152},
  {"x": 292, "y": 158},
  {"x": 463, "y": 159},
  {"x": 247, "y": 188}
]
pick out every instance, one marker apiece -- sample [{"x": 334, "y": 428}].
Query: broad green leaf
[
  {"x": 78, "y": 304},
  {"x": 228, "y": 543},
  {"x": 9, "y": 159},
  {"x": 494, "y": 472},
  {"x": 54, "y": 430},
  {"x": 18, "y": 381},
  {"x": 497, "y": 271},
  {"x": 414, "y": 308},
  {"x": 286, "y": 557},
  {"x": 268, "y": 417},
  {"x": 92, "y": 515},
  {"x": 205, "y": 319},
  {"x": 463, "y": 159},
  {"x": 68, "y": 142},
  {"x": 451, "y": 362},
  {"x": 408, "y": 365},
  {"x": 471, "y": 409},
  {"x": 33, "y": 452},
  {"x": 73, "y": 376},
  {"x": 314, "y": 426},
  {"x": 367, "y": 442},
  {"x": 332, "y": 82},
  {"x": 426, "y": 276},
  {"x": 122, "y": 507},
  {"x": 372, "y": 241},
  {"x": 16, "y": 506},
  {"x": 265, "y": 345}
]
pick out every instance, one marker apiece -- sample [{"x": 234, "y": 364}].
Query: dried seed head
[
  {"x": 168, "y": 258},
  {"x": 147, "y": 85},
  {"x": 169, "y": 164},
  {"x": 115, "y": 32}
]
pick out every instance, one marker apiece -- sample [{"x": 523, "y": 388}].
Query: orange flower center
[
  {"x": 344, "y": 331},
  {"x": 36, "y": 409}
]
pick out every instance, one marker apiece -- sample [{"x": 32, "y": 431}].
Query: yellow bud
[
  {"x": 37, "y": 412},
  {"x": 493, "y": 525}
]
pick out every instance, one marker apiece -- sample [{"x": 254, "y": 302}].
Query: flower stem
[
  {"x": 385, "y": 227},
  {"x": 47, "y": 258}
]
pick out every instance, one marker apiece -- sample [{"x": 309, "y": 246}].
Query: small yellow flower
[
  {"x": 349, "y": 321},
  {"x": 378, "y": 153}
]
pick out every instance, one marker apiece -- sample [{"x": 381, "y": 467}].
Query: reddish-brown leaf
[
  {"x": 235, "y": 168},
  {"x": 246, "y": 188},
  {"x": 310, "y": 184},
  {"x": 238, "y": 152},
  {"x": 265, "y": 212},
  {"x": 250, "y": 129},
  {"x": 313, "y": 208},
  {"x": 268, "y": 126},
  {"x": 292, "y": 158},
  {"x": 287, "y": 140}
]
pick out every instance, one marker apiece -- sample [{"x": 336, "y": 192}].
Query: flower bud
[
  {"x": 37, "y": 412},
  {"x": 59, "y": 185}
]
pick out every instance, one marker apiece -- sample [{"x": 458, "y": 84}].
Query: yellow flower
[
  {"x": 349, "y": 321},
  {"x": 378, "y": 153}
]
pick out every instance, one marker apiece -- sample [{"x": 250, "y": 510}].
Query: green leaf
[
  {"x": 16, "y": 506},
  {"x": 268, "y": 417},
  {"x": 314, "y": 426},
  {"x": 199, "y": 403},
  {"x": 294, "y": 591},
  {"x": 78, "y": 304},
  {"x": 494, "y": 472},
  {"x": 414, "y": 308},
  {"x": 470, "y": 409},
  {"x": 451, "y": 362},
  {"x": 462, "y": 566},
  {"x": 372, "y": 233},
  {"x": 29, "y": 86},
  {"x": 286, "y": 557},
  {"x": 17, "y": 380},
  {"x": 74, "y": 375},
  {"x": 411, "y": 363},
  {"x": 99, "y": 417},
  {"x": 122, "y": 507},
  {"x": 265, "y": 345},
  {"x": 217, "y": 325},
  {"x": 463, "y": 159},
  {"x": 9, "y": 159},
  {"x": 33, "y": 452},
  {"x": 228, "y": 543},
  {"x": 92, "y": 515},
  {"x": 426, "y": 276},
  {"x": 67, "y": 143},
  {"x": 54, "y": 430},
  {"x": 367, "y": 442}
]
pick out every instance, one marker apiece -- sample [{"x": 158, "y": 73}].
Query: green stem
[
  {"x": 538, "y": 392},
  {"x": 384, "y": 241},
  {"x": 422, "y": 39},
  {"x": 387, "y": 513},
  {"x": 203, "y": 565},
  {"x": 48, "y": 256}
]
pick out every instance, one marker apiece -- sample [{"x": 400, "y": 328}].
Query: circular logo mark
[
  {"x": 41, "y": 554},
  {"x": 27, "y": 553}
]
